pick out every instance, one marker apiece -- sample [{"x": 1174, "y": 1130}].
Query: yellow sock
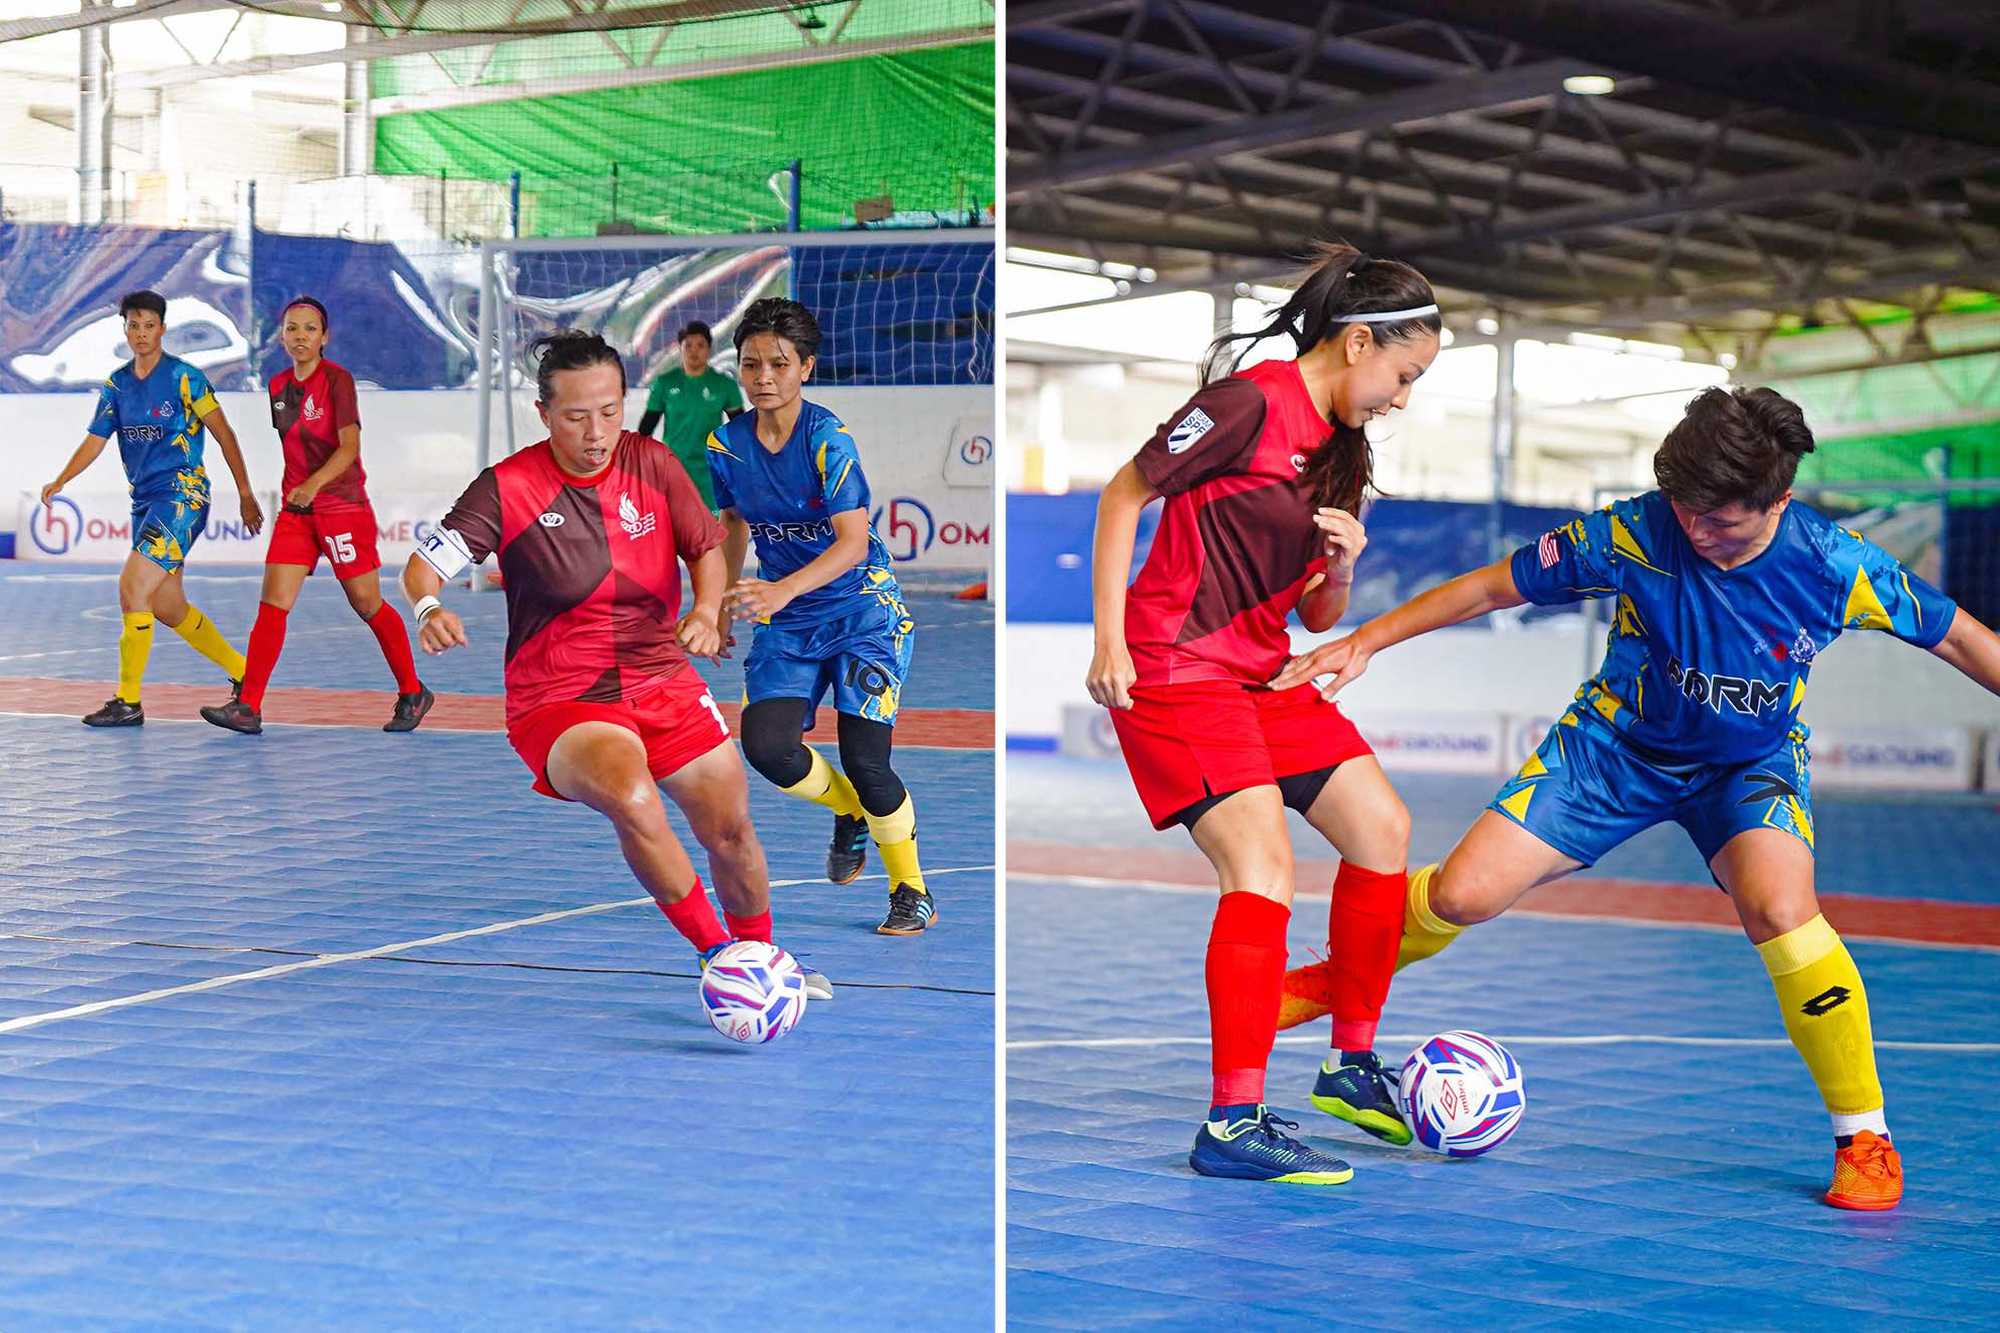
[
  {"x": 1424, "y": 931},
  {"x": 135, "y": 644},
  {"x": 202, "y": 636},
  {"x": 1826, "y": 1014},
  {"x": 826, "y": 785},
  {"x": 896, "y": 839}
]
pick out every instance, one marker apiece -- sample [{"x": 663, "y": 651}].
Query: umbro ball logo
[
  {"x": 1192, "y": 427},
  {"x": 550, "y": 520}
]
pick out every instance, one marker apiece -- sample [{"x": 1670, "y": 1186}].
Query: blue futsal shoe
[
  {"x": 1358, "y": 1090},
  {"x": 1254, "y": 1148}
]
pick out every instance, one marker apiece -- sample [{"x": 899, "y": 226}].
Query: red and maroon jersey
[
  {"x": 309, "y": 415},
  {"x": 589, "y": 567},
  {"x": 1236, "y": 543}
]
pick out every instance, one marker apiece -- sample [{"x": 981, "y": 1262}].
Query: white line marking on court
[
  {"x": 1594, "y": 1039},
  {"x": 27, "y": 1021},
  {"x": 1523, "y": 913}
]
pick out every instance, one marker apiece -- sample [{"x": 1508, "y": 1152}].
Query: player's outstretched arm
[
  {"x": 752, "y": 599},
  {"x": 1118, "y": 506},
  {"x": 1973, "y": 649},
  {"x": 735, "y": 547},
  {"x": 438, "y": 629},
  {"x": 232, "y": 454},
  {"x": 86, "y": 454},
  {"x": 1450, "y": 603}
]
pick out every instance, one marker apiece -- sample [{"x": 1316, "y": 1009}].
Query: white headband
[{"x": 1389, "y": 316}]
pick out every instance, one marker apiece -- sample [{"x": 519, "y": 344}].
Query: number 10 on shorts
[{"x": 340, "y": 545}]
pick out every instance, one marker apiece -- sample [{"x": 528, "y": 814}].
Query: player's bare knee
[
  {"x": 1463, "y": 899},
  {"x": 734, "y": 838},
  {"x": 365, "y": 604}
]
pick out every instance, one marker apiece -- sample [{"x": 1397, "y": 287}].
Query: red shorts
[
  {"x": 678, "y": 723},
  {"x": 1213, "y": 737},
  {"x": 343, "y": 533}
]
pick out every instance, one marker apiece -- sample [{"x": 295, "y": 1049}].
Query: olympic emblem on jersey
[
  {"x": 1194, "y": 425},
  {"x": 636, "y": 524},
  {"x": 550, "y": 520},
  {"x": 311, "y": 410}
]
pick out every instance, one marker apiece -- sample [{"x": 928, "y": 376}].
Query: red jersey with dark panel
[
  {"x": 309, "y": 415},
  {"x": 590, "y": 568},
  {"x": 1236, "y": 544}
]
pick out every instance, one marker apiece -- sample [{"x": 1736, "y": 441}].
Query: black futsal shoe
[
  {"x": 410, "y": 710},
  {"x": 116, "y": 713},
  {"x": 848, "y": 851},
  {"x": 911, "y": 912},
  {"x": 235, "y": 716}
]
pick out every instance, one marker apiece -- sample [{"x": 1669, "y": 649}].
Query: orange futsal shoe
[
  {"x": 1867, "y": 1174},
  {"x": 1307, "y": 994}
]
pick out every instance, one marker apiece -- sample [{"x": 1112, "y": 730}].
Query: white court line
[
  {"x": 113, "y": 647},
  {"x": 1595, "y": 1039},
  {"x": 1522, "y": 913},
  {"x": 27, "y": 1021}
]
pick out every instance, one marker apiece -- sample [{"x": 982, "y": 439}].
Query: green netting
[
  {"x": 1957, "y": 453},
  {"x": 706, "y": 155}
]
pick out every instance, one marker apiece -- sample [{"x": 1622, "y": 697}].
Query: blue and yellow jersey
[
  {"x": 157, "y": 421},
  {"x": 1709, "y": 665},
  {"x": 789, "y": 499}
]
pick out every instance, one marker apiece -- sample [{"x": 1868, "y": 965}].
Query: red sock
[
  {"x": 693, "y": 917},
  {"x": 267, "y": 640},
  {"x": 756, "y": 927},
  {"x": 1246, "y": 968},
  {"x": 1363, "y": 931},
  {"x": 395, "y": 641}
]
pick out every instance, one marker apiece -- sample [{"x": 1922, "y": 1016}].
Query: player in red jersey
[
  {"x": 1263, "y": 474},
  {"x": 325, "y": 510},
  {"x": 591, "y": 526}
]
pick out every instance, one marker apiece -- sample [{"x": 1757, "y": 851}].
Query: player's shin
[
  {"x": 135, "y": 645},
  {"x": 202, "y": 636},
  {"x": 1825, "y": 1009},
  {"x": 827, "y": 786}
]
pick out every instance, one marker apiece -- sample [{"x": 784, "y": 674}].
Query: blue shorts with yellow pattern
[
  {"x": 1584, "y": 791},
  {"x": 164, "y": 531},
  {"x": 863, "y": 657}
]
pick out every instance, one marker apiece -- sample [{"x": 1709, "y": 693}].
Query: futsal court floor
[
  {"x": 1669, "y": 1169},
  {"x": 330, "y": 1028}
]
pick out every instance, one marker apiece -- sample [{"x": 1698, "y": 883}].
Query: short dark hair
[
  {"x": 1734, "y": 446},
  {"x": 788, "y": 319},
  {"x": 143, "y": 300},
  {"x": 570, "y": 349},
  {"x": 325, "y": 324},
  {"x": 694, "y": 326}
]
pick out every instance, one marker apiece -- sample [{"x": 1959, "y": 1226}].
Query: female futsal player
[
  {"x": 829, "y": 612},
  {"x": 1264, "y": 473},
  {"x": 326, "y": 507},
  {"x": 591, "y": 525},
  {"x": 1726, "y": 593}
]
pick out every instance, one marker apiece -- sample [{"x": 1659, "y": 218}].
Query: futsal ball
[
  {"x": 753, "y": 992},
  {"x": 1463, "y": 1094}
]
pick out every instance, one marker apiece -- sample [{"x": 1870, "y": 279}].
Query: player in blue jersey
[
  {"x": 829, "y": 614},
  {"x": 1726, "y": 592},
  {"x": 160, "y": 408}
]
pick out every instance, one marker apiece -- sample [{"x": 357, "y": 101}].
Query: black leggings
[{"x": 774, "y": 742}]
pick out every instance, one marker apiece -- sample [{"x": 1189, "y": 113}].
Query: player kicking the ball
[
  {"x": 590, "y": 526},
  {"x": 1726, "y": 591},
  {"x": 159, "y": 407},
  {"x": 326, "y": 510}
]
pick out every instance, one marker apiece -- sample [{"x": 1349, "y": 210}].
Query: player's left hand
[
  {"x": 1344, "y": 538},
  {"x": 1343, "y": 660},
  {"x": 700, "y": 636},
  {"x": 756, "y": 599},
  {"x": 253, "y": 513}
]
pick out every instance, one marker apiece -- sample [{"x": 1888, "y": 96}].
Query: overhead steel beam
[
  {"x": 1055, "y": 13},
  {"x": 647, "y": 75},
  {"x": 90, "y": 15},
  {"x": 1798, "y": 61},
  {"x": 1317, "y": 124},
  {"x": 423, "y": 43}
]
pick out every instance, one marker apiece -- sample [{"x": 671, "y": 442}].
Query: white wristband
[{"x": 424, "y": 606}]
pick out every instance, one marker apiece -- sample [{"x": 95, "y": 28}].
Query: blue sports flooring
[
  {"x": 533, "y": 1128},
  {"x": 1655, "y": 1182}
]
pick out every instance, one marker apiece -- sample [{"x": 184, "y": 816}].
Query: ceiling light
[
  {"x": 1727, "y": 360},
  {"x": 1487, "y": 325},
  {"x": 1589, "y": 85}
]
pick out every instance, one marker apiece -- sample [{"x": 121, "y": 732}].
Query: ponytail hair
[{"x": 1342, "y": 284}]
